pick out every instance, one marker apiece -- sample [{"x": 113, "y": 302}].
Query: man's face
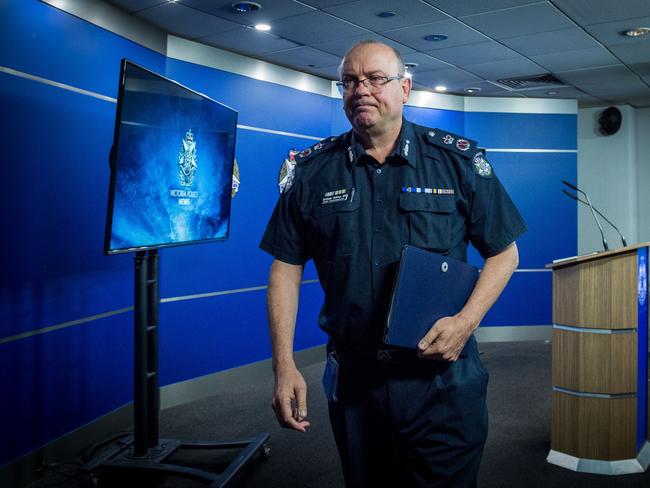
[{"x": 368, "y": 109}]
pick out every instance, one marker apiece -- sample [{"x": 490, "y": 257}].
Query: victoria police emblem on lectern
[{"x": 187, "y": 160}]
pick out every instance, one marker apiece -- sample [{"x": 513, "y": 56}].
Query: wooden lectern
[{"x": 600, "y": 362}]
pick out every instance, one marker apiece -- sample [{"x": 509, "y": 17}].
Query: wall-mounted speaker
[{"x": 609, "y": 121}]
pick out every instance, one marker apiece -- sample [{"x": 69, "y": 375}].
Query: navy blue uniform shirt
[{"x": 352, "y": 216}]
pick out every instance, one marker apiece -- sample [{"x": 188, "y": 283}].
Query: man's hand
[
  {"x": 446, "y": 339},
  {"x": 290, "y": 399}
]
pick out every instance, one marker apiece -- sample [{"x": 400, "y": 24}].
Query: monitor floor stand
[{"x": 144, "y": 451}]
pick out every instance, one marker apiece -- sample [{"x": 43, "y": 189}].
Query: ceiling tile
[
  {"x": 640, "y": 102},
  {"x": 632, "y": 53},
  {"x": 457, "y": 33},
  {"x": 326, "y": 3},
  {"x": 246, "y": 40},
  {"x": 519, "y": 21},
  {"x": 469, "y": 7},
  {"x": 486, "y": 87},
  {"x": 556, "y": 92},
  {"x": 455, "y": 80},
  {"x": 131, "y": 6},
  {"x": 184, "y": 21},
  {"x": 341, "y": 46},
  {"x": 474, "y": 53},
  {"x": 631, "y": 88},
  {"x": 586, "y": 12},
  {"x": 425, "y": 62},
  {"x": 641, "y": 69},
  {"x": 551, "y": 42},
  {"x": 270, "y": 11},
  {"x": 303, "y": 57},
  {"x": 328, "y": 72},
  {"x": 607, "y": 74},
  {"x": 506, "y": 68},
  {"x": 609, "y": 33},
  {"x": 306, "y": 28},
  {"x": 409, "y": 13},
  {"x": 569, "y": 60}
]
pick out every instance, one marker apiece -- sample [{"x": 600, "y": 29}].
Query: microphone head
[{"x": 570, "y": 185}]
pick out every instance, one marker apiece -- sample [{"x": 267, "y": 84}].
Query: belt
[{"x": 382, "y": 356}]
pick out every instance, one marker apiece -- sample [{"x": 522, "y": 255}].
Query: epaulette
[
  {"x": 452, "y": 142},
  {"x": 317, "y": 148}
]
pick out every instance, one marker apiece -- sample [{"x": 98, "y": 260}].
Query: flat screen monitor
[{"x": 171, "y": 165}]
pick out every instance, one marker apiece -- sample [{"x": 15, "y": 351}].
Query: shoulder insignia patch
[
  {"x": 451, "y": 142},
  {"x": 481, "y": 165},
  {"x": 287, "y": 171}
]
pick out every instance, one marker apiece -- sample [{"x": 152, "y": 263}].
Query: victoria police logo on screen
[
  {"x": 187, "y": 160},
  {"x": 187, "y": 166}
]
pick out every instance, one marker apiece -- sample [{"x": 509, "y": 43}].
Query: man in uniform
[{"x": 400, "y": 417}]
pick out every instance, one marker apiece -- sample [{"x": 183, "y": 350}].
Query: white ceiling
[{"x": 577, "y": 41}]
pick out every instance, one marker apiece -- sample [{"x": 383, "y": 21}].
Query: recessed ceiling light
[
  {"x": 636, "y": 32},
  {"x": 387, "y": 14},
  {"x": 435, "y": 37},
  {"x": 472, "y": 89},
  {"x": 410, "y": 65},
  {"x": 262, "y": 27},
  {"x": 440, "y": 88},
  {"x": 552, "y": 92},
  {"x": 245, "y": 7}
]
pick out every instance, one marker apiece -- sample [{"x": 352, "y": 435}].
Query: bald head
[{"x": 390, "y": 51}]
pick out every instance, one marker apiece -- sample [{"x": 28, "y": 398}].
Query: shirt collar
[{"x": 404, "y": 148}]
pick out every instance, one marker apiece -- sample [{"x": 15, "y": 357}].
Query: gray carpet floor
[{"x": 519, "y": 398}]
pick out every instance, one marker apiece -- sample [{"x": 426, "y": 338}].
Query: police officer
[{"x": 400, "y": 418}]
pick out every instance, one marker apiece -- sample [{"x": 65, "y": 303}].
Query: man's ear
[{"x": 407, "y": 84}]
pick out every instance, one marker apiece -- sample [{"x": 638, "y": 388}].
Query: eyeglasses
[{"x": 372, "y": 83}]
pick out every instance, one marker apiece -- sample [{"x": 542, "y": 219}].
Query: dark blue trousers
[{"x": 411, "y": 422}]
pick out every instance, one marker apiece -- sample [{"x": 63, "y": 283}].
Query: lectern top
[{"x": 594, "y": 255}]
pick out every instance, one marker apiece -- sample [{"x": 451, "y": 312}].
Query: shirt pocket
[
  {"x": 428, "y": 220},
  {"x": 335, "y": 229}
]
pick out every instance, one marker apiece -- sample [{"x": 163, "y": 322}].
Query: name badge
[{"x": 335, "y": 196}]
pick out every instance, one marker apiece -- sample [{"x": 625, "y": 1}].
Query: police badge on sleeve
[
  {"x": 481, "y": 165},
  {"x": 287, "y": 171}
]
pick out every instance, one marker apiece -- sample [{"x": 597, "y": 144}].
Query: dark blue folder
[{"x": 428, "y": 286}]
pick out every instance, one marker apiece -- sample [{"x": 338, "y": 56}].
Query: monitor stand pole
[{"x": 144, "y": 451}]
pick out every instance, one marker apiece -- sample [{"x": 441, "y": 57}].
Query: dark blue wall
[{"x": 55, "y": 145}]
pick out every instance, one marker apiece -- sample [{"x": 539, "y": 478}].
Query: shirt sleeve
[
  {"x": 494, "y": 221},
  {"x": 284, "y": 234}
]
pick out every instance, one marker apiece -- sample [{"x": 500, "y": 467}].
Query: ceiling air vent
[{"x": 530, "y": 82}]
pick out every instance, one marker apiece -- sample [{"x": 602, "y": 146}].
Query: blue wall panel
[
  {"x": 533, "y": 181},
  {"x": 527, "y": 131},
  {"x": 201, "y": 336},
  {"x": 265, "y": 105},
  {"x": 526, "y": 300},
  {"x": 43, "y": 41},
  {"x": 53, "y": 267},
  {"x": 53, "y": 383}
]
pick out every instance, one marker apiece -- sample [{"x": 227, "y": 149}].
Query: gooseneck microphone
[
  {"x": 602, "y": 234},
  {"x": 623, "y": 240}
]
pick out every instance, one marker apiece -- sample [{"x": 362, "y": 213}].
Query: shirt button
[
  {"x": 377, "y": 262},
  {"x": 378, "y": 171},
  {"x": 377, "y": 229}
]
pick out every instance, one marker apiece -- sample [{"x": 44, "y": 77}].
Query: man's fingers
[
  {"x": 429, "y": 339},
  {"x": 301, "y": 403},
  {"x": 283, "y": 412}
]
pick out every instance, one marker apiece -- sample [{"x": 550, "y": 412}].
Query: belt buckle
[{"x": 384, "y": 356}]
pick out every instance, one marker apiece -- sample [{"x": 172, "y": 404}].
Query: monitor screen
[{"x": 171, "y": 165}]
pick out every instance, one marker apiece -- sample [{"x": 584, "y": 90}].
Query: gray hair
[{"x": 401, "y": 69}]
